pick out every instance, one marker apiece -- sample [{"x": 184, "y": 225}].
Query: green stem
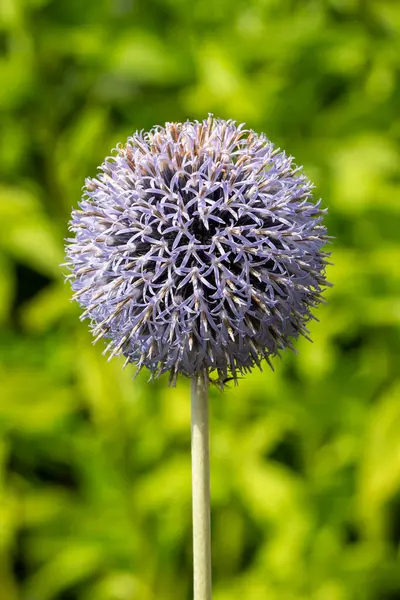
[{"x": 201, "y": 489}]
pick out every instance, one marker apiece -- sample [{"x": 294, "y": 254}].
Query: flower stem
[{"x": 201, "y": 489}]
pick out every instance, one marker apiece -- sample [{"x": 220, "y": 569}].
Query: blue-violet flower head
[{"x": 198, "y": 249}]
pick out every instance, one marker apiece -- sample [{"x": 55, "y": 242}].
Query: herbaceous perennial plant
[{"x": 198, "y": 250}]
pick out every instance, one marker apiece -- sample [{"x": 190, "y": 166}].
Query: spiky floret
[{"x": 198, "y": 248}]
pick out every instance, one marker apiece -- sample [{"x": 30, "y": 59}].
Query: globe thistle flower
[{"x": 198, "y": 249}]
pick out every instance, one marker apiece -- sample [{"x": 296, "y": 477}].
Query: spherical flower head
[{"x": 198, "y": 249}]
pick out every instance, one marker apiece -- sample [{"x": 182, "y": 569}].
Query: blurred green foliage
[{"x": 95, "y": 499}]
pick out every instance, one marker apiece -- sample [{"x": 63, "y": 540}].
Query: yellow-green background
[{"x": 95, "y": 467}]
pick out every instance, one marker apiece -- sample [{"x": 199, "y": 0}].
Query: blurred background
[{"x": 95, "y": 498}]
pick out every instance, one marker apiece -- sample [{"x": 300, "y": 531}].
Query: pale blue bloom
[{"x": 198, "y": 247}]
